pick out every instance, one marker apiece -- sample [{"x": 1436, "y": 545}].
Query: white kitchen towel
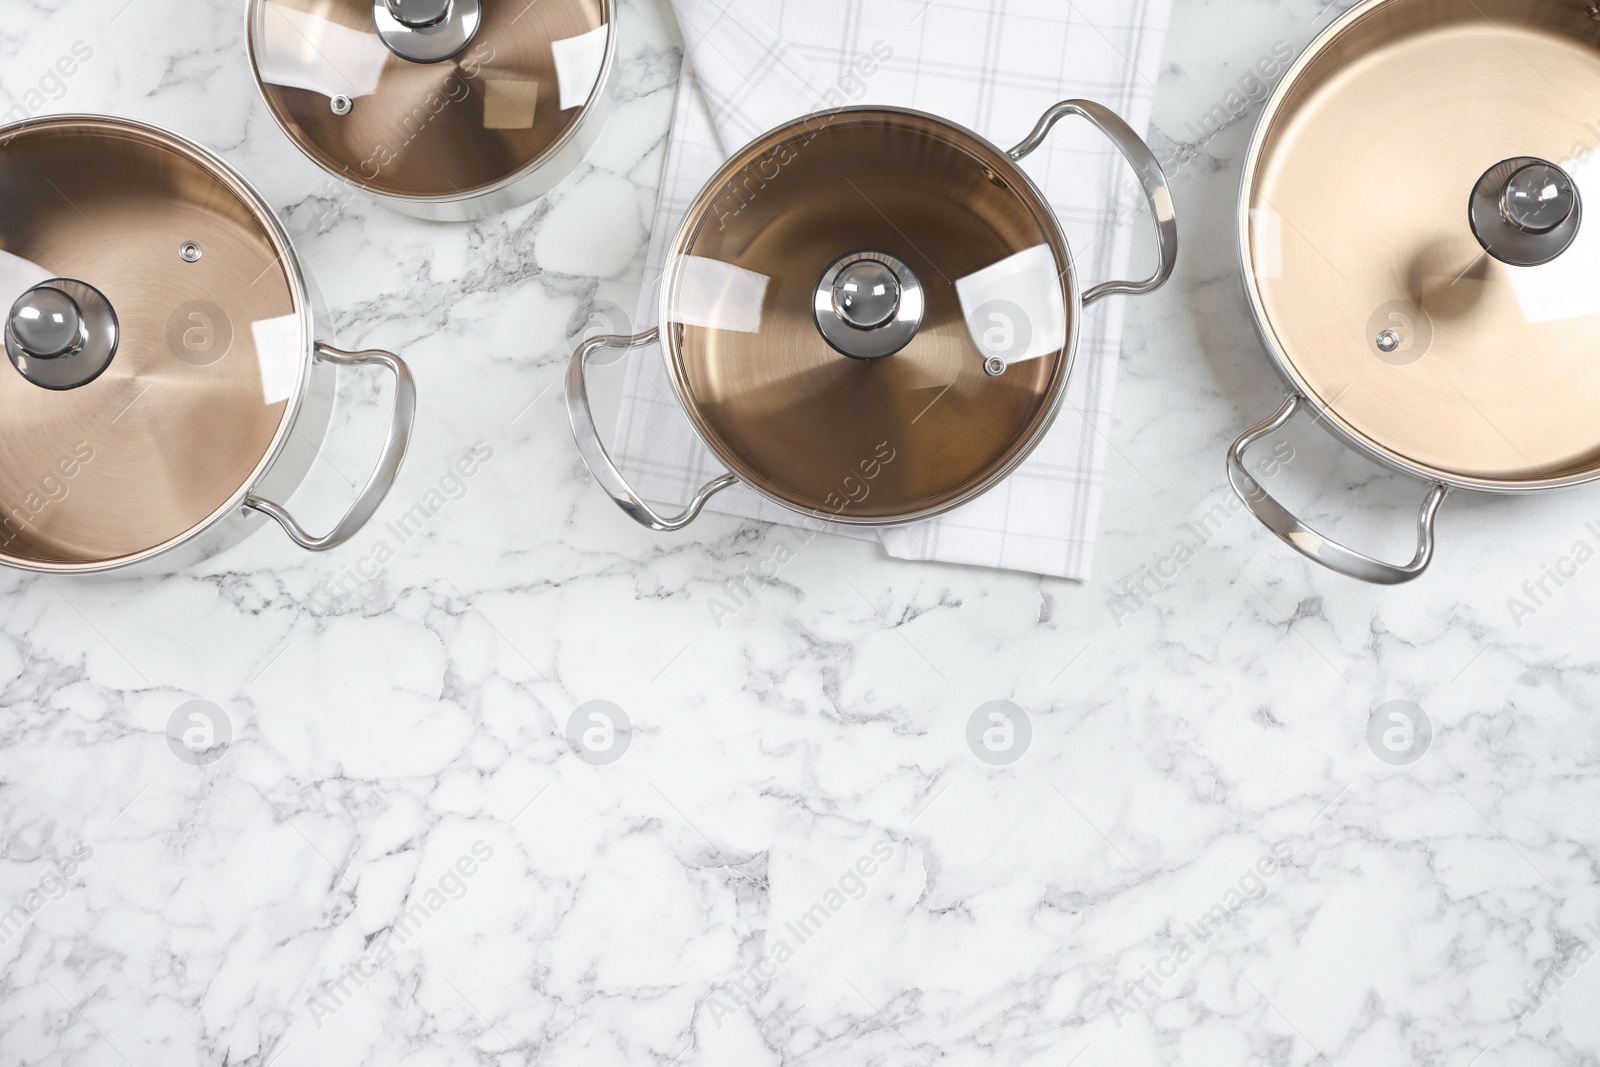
[{"x": 994, "y": 66}]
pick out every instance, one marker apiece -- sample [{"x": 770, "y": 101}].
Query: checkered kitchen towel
[{"x": 994, "y": 66}]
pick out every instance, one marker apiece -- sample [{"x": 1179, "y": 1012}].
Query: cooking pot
[
  {"x": 442, "y": 109},
  {"x": 870, "y": 315},
  {"x": 1417, "y": 258},
  {"x": 163, "y": 388}
]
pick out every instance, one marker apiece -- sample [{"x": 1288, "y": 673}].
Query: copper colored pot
[
  {"x": 163, "y": 387},
  {"x": 871, "y": 295},
  {"x": 443, "y": 109},
  {"x": 1417, "y": 256}
]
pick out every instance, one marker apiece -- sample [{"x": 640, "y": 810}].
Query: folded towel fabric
[{"x": 994, "y": 66}]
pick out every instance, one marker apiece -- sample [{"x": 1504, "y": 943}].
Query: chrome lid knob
[
  {"x": 46, "y": 324},
  {"x": 427, "y": 31},
  {"x": 869, "y": 305},
  {"x": 419, "y": 14},
  {"x": 1538, "y": 198},
  {"x": 61, "y": 334},
  {"x": 866, "y": 294},
  {"x": 1526, "y": 211}
]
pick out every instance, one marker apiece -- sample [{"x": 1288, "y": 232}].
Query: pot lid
[
  {"x": 870, "y": 315},
  {"x": 428, "y": 99},
  {"x": 155, "y": 336},
  {"x": 1417, "y": 241}
]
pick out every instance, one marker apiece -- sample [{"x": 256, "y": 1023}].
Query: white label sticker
[
  {"x": 718, "y": 296},
  {"x": 303, "y": 51},
  {"x": 17, "y": 276},
  {"x": 1266, "y": 242},
  {"x": 578, "y": 62},
  {"x": 1014, "y": 309},
  {"x": 278, "y": 353}
]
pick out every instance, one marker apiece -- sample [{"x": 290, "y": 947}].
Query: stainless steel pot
[
  {"x": 870, "y": 315},
  {"x": 442, "y": 109},
  {"x": 1416, "y": 257},
  {"x": 164, "y": 387}
]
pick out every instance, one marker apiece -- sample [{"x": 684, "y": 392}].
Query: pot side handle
[
  {"x": 1310, "y": 543},
  {"x": 388, "y": 469},
  {"x": 1151, "y": 177},
  {"x": 593, "y": 450}
]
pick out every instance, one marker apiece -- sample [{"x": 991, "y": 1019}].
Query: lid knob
[
  {"x": 419, "y": 14},
  {"x": 47, "y": 323},
  {"x": 869, "y": 305},
  {"x": 427, "y": 31},
  {"x": 1526, "y": 211},
  {"x": 61, "y": 334},
  {"x": 866, "y": 294},
  {"x": 1538, "y": 198}
]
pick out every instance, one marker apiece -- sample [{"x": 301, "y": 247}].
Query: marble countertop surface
[{"x": 802, "y": 839}]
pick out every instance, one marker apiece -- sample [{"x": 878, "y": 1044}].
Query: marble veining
[{"x": 810, "y": 847}]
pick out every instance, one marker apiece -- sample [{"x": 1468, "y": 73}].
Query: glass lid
[
  {"x": 867, "y": 315},
  {"x": 155, "y": 337},
  {"x": 1424, "y": 236},
  {"x": 428, "y": 99}
]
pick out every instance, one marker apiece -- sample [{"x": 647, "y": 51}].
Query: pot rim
[
  {"x": 1069, "y": 352},
  {"x": 596, "y": 95},
  {"x": 1326, "y": 416},
  {"x": 299, "y": 292}
]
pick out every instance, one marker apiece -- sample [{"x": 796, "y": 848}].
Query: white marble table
[{"x": 1198, "y": 859}]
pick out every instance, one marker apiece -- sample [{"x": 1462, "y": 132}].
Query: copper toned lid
[
  {"x": 155, "y": 334},
  {"x": 870, "y": 315},
  {"x": 428, "y": 99},
  {"x": 1417, "y": 243}
]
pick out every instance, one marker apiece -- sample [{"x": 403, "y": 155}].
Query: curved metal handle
[
  {"x": 1151, "y": 177},
  {"x": 383, "y": 478},
  {"x": 598, "y": 460},
  {"x": 1308, "y": 542}
]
